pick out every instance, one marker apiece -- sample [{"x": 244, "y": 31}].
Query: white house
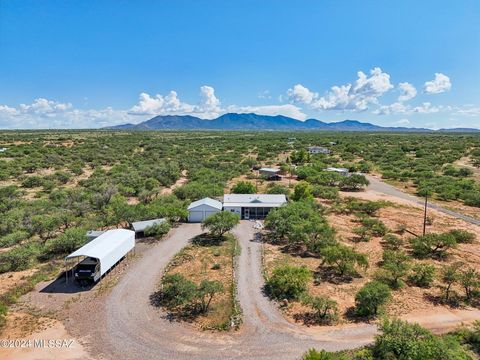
[
  {"x": 3, "y": 150},
  {"x": 252, "y": 206},
  {"x": 318, "y": 150},
  {"x": 341, "y": 171},
  {"x": 201, "y": 209}
]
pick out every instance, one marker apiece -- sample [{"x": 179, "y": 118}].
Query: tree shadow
[
  {"x": 178, "y": 314},
  {"x": 329, "y": 274},
  {"x": 311, "y": 319},
  {"x": 206, "y": 239}
]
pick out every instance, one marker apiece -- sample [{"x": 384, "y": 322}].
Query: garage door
[
  {"x": 209, "y": 213},
  {"x": 195, "y": 216}
]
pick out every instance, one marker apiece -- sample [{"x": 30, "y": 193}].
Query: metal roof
[
  {"x": 140, "y": 226},
  {"x": 336, "y": 169},
  {"x": 101, "y": 246},
  {"x": 206, "y": 201},
  {"x": 269, "y": 170},
  {"x": 254, "y": 200}
]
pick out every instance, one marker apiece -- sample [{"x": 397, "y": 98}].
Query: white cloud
[
  {"x": 468, "y": 110},
  {"x": 403, "y": 122},
  {"x": 427, "y": 108},
  {"x": 395, "y": 108},
  {"x": 440, "y": 84},
  {"x": 357, "y": 97},
  {"x": 408, "y": 91},
  {"x": 301, "y": 94},
  {"x": 170, "y": 104},
  {"x": 285, "y": 110}
]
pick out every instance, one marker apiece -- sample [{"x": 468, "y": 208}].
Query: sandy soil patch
[
  {"x": 182, "y": 181},
  {"x": 47, "y": 329},
  {"x": 11, "y": 279}
]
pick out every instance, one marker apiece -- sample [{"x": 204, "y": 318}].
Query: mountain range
[{"x": 255, "y": 122}]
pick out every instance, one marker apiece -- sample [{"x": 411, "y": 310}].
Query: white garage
[{"x": 201, "y": 209}]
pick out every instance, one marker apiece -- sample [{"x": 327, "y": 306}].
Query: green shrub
[
  {"x": 433, "y": 245},
  {"x": 177, "y": 291},
  {"x": 462, "y": 236},
  {"x": 13, "y": 238},
  {"x": 344, "y": 259},
  {"x": 422, "y": 275},
  {"x": 325, "y": 192},
  {"x": 19, "y": 258},
  {"x": 243, "y": 187},
  {"x": 216, "y": 266},
  {"x": 313, "y": 354},
  {"x": 157, "y": 229},
  {"x": 370, "y": 298},
  {"x": 68, "y": 242},
  {"x": 221, "y": 222},
  {"x": 401, "y": 340},
  {"x": 288, "y": 282},
  {"x": 392, "y": 242},
  {"x": 325, "y": 309},
  {"x": 395, "y": 267}
]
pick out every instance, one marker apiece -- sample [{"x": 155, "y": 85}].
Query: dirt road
[{"x": 379, "y": 186}]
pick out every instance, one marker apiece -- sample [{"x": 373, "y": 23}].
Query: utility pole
[{"x": 425, "y": 214}]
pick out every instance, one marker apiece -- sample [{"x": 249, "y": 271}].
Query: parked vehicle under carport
[{"x": 101, "y": 254}]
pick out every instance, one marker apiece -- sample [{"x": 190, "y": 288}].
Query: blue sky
[{"x": 75, "y": 64}]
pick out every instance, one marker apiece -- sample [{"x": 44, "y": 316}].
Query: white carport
[
  {"x": 199, "y": 210},
  {"x": 140, "y": 226},
  {"x": 107, "y": 249}
]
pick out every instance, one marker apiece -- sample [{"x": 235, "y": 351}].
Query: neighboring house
[
  {"x": 252, "y": 206},
  {"x": 3, "y": 150},
  {"x": 318, "y": 150},
  {"x": 199, "y": 210},
  {"x": 341, "y": 171},
  {"x": 270, "y": 174}
]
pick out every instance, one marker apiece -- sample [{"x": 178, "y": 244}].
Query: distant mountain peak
[{"x": 256, "y": 122}]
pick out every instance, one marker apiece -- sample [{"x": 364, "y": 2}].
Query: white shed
[{"x": 199, "y": 210}]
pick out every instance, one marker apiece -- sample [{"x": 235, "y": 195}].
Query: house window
[{"x": 232, "y": 210}]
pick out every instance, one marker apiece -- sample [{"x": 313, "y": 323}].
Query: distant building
[
  {"x": 341, "y": 171},
  {"x": 318, "y": 150},
  {"x": 140, "y": 226},
  {"x": 270, "y": 174},
  {"x": 3, "y": 150}
]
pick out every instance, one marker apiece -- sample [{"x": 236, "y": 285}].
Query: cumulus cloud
[
  {"x": 301, "y": 94},
  {"x": 440, "y": 84},
  {"x": 408, "y": 91},
  {"x": 403, "y": 122},
  {"x": 356, "y": 97},
  {"x": 170, "y": 104}
]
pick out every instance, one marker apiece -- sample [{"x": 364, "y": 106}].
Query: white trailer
[{"x": 102, "y": 253}]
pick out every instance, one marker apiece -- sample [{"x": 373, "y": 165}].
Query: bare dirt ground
[
  {"x": 466, "y": 161},
  {"x": 183, "y": 180}
]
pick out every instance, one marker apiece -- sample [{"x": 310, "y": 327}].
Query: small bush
[
  {"x": 288, "y": 282},
  {"x": 313, "y": 354},
  {"x": 370, "y": 298},
  {"x": 433, "y": 245},
  {"x": 422, "y": 275},
  {"x": 13, "y": 238},
  {"x": 325, "y": 309},
  {"x": 462, "y": 236},
  {"x": 157, "y": 229},
  {"x": 19, "y": 258},
  {"x": 216, "y": 266},
  {"x": 392, "y": 242}
]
